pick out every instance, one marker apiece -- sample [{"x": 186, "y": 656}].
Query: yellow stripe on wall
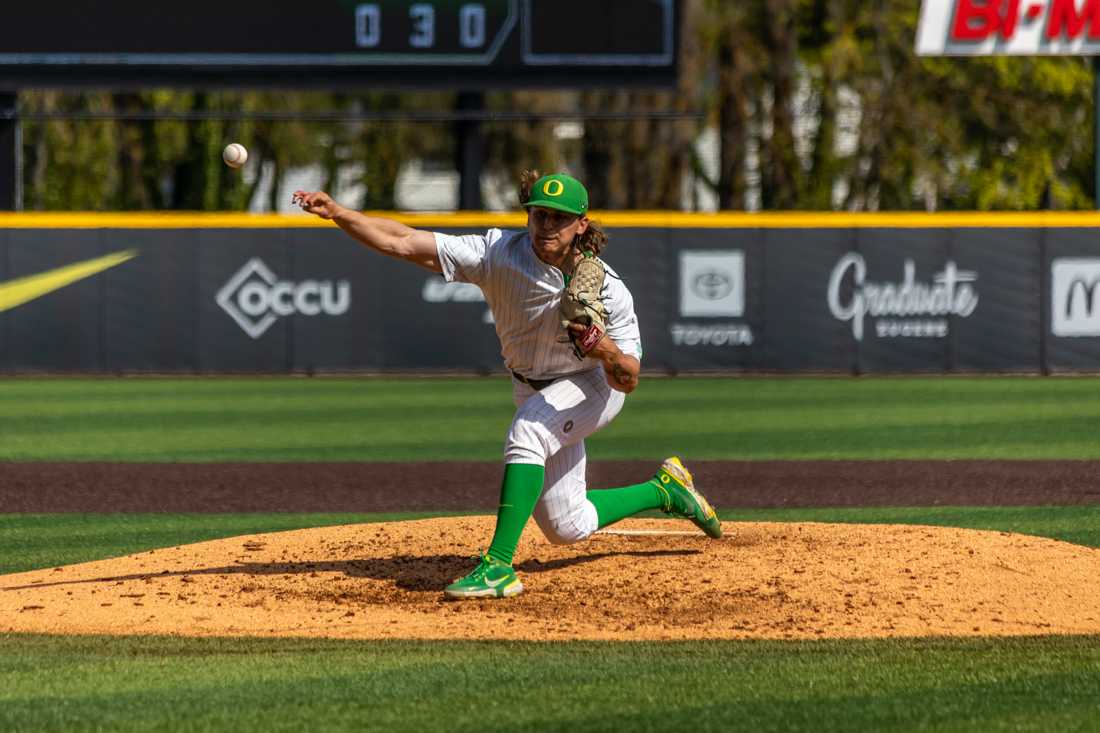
[
  {"x": 620, "y": 219},
  {"x": 22, "y": 290},
  {"x": 203, "y": 220}
]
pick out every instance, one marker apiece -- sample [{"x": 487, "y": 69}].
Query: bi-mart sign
[{"x": 1009, "y": 28}]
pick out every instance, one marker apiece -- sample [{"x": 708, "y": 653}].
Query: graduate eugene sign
[
  {"x": 1009, "y": 27},
  {"x": 425, "y": 42}
]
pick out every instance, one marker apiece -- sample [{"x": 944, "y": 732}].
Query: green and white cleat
[
  {"x": 681, "y": 498},
  {"x": 490, "y": 579}
]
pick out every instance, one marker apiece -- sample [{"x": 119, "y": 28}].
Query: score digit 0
[
  {"x": 368, "y": 25},
  {"x": 471, "y": 25}
]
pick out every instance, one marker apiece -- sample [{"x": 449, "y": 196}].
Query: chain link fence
[{"x": 121, "y": 157}]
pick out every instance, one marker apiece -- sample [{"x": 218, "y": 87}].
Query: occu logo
[
  {"x": 712, "y": 285},
  {"x": 255, "y": 298}
]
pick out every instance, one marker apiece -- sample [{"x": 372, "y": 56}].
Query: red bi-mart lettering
[
  {"x": 976, "y": 20},
  {"x": 1064, "y": 18}
]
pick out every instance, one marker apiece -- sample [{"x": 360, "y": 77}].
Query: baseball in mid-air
[{"x": 234, "y": 155}]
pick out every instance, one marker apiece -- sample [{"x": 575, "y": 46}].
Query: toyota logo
[{"x": 712, "y": 285}]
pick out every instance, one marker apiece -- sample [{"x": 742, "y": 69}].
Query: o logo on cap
[{"x": 553, "y": 187}]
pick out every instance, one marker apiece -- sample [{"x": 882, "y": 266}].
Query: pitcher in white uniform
[{"x": 560, "y": 399}]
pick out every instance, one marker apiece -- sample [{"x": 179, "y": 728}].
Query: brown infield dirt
[{"x": 646, "y": 579}]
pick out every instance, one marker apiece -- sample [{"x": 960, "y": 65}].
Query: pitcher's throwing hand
[{"x": 318, "y": 202}]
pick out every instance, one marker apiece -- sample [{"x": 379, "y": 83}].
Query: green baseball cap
[{"x": 561, "y": 192}]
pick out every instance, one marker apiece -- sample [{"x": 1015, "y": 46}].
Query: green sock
[
  {"x": 518, "y": 494},
  {"x": 615, "y": 504}
]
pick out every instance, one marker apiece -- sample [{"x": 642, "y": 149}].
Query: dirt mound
[{"x": 658, "y": 580}]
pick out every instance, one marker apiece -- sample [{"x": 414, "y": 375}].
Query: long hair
[{"x": 593, "y": 240}]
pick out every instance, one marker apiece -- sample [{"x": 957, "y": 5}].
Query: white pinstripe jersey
[{"x": 524, "y": 294}]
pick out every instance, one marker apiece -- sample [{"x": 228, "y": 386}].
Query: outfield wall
[{"x": 875, "y": 293}]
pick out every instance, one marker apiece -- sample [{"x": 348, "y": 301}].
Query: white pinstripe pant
[{"x": 549, "y": 430}]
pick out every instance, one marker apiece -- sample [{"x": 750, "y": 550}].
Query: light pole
[{"x": 11, "y": 154}]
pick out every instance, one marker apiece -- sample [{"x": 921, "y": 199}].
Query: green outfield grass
[
  {"x": 77, "y": 684},
  {"x": 338, "y": 419}
]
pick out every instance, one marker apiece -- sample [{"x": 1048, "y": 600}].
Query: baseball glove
[{"x": 580, "y": 303}]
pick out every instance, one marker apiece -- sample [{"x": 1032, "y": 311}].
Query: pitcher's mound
[{"x": 652, "y": 579}]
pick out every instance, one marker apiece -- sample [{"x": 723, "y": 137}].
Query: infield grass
[
  {"x": 32, "y": 541},
  {"x": 383, "y": 419},
  {"x": 123, "y": 684},
  {"x": 96, "y": 683}
]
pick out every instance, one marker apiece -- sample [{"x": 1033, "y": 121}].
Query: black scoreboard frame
[{"x": 467, "y": 44}]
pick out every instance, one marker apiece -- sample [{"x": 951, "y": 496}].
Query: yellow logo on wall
[{"x": 22, "y": 290}]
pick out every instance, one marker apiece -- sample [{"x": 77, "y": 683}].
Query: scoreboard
[{"x": 339, "y": 43}]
